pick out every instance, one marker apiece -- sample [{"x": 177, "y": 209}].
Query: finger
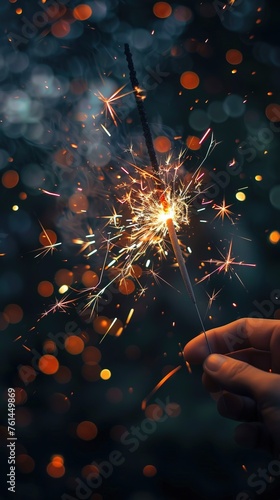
[
  {"x": 243, "y": 379},
  {"x": 275, "y": 350},
  {"x": 259, "y": 359},
  {"x": 237, "y": 407},
  {"x": 253, "y": 435},
  {"x": 255, "y": 357},
  {"x": 210, "y": 384},
  {"x": 246, "y": 332}
]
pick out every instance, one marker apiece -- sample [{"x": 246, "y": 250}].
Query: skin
[{"x": 244, "y": 376}]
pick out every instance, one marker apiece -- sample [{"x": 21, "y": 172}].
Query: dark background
[{"x": 193, "y": 450}]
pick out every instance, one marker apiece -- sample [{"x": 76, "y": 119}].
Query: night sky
[{"x": 89, "y": 321}]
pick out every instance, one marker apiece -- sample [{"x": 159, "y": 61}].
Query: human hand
[{"x": 246, "y": 370}]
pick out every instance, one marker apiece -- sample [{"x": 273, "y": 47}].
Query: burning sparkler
[{"x": 167, "y": 211}]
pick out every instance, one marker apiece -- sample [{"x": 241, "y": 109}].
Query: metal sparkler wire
[{"x": 169, "y": 221}]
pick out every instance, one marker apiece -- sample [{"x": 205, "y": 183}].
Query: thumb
[{"x": 237, "y": 377}]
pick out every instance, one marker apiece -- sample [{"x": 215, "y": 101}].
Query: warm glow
[
  {"x": 164, "y": 215},
  {"x": 258, "y": 178}
]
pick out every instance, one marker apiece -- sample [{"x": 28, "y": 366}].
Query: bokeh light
[
  {"x": 20, "y": 396},
  {"x": 25, "y": 463},
  {"x": 272, "y": 112},
  {"x": 162, "y": 10},
  {"x": 64, "y": 277},
  {"x": 105, "y": 374},
  {"x": 14, "y": 313},
  {"x": 45, "y": 288},
  {"x": 48, "y": 364},
  {"x": 10, "y": 179},
  {"x": 90, "y": 279},
  {"x": 234, "y": 57},
  {"x": 63, "y": 375},
  {"x": 126, "y": 286},
  {"x": 87, "y": 430},
  {"x": 91, "y": 355},
  {"x": 78, "y": 203},
  {"x": 192, "y": 142},
  {"x": 240, "y": 196},
  {"x": 82, "y": 12},
  {"x": 55, "y": 471},
  {"x": 162, "y": 144},
  {"x": 189, "y": 80},
  {"x": 60, "y": 29},
  {"x": 149, "y": 470},
  {"x": 47, "y": 237},
  {"x": 274, "y": 237},
  {"x": 74, "y": 344},
  {"x": 183, "y": 14}
]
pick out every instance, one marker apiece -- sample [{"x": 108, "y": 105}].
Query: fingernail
[{"x": 214, "y": 362}]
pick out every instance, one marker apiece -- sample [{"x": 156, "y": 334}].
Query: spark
[
  {"x": 205, "y": 135},
  {"x": 86, "y": 244},
  {"x": 50, "y": 193},
  {"x": 105, "y": 130},
  {"x": 159, "y": 385},
  {"x": 130, "y": 314},
  {"x": 226, "y": 265},
  {"x": 45, "y": 249},
  {"x": 61, "y": 305},
  {"x": 223, "y": 211},
  {"x": 108, "y": 330},
  {"x": 109, "y": 102},
  {"x": 212, "y": 297}
]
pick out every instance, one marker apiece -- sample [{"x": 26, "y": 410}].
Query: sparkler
[{"x": 167, "y": 211}]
